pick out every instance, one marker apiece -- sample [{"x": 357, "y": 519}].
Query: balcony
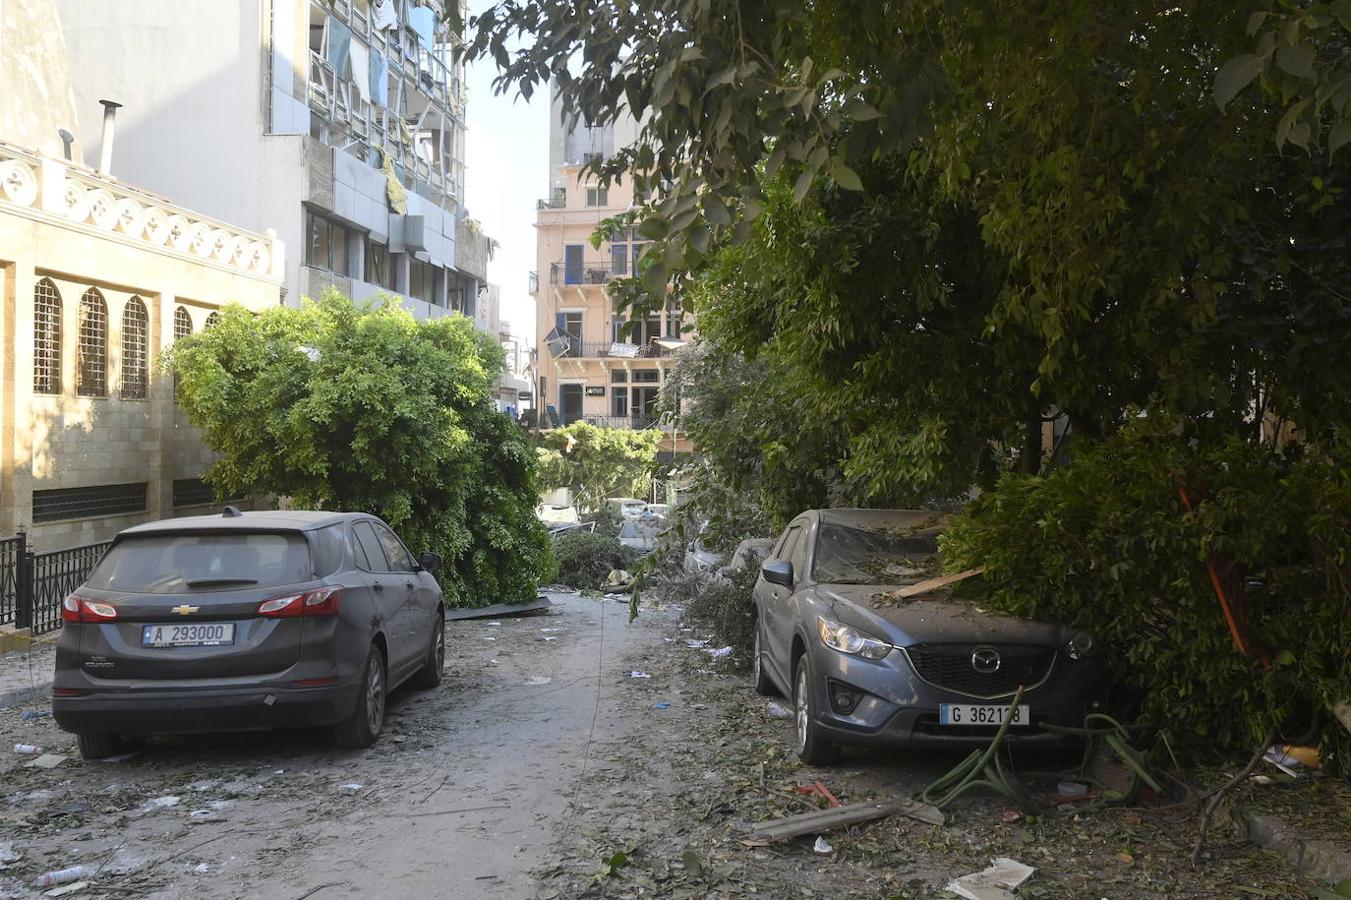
[
  {"x": 612, "y": 350},
  {"x": 591, "y": 271},
  {"x": 633, "y": 423}
]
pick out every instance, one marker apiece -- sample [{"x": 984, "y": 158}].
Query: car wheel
[
  {"x": 763, "y": 686},
  {"x": 362, "y": 729},
  {"x": 811, "y": 747},
  {"x": 429, "y": 676},
  {"x": 100, "y": 746}
]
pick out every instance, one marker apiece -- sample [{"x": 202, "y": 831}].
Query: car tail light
[
  {"x": 319, "y": 602},
  {"x": 78, "y": 609}
]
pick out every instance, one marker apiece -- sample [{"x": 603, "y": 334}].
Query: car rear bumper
[{"x": 169, "y": 711}]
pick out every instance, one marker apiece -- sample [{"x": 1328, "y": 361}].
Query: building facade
[
  {"x": 594, "y": 364},
  {"x": 338, "y": 123}
]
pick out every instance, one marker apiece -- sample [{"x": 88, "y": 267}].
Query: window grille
[
  {"x": 46, "y": 338},
  {"x": 88, "y": 502},
  {"x": 182, "y": 323},
  {"x": 212, "y": 321},
  {"x": 91, "y": 361},
  {"x": 135, "y": 341}
]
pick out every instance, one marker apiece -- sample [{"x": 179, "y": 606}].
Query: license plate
[
  {"x": 972, "y": 714},
  {"x": 197, "y": 634}
]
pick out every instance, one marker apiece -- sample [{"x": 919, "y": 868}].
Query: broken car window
[{"x": 862, "y": 556}]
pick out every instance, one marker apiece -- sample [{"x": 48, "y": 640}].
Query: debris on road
[
  {"x": 719, "y": 653},
  {"x": 695, "y": 645},
  {"x": 822, "y": 846},
  {"x": 351, "y": 787},
  {"x": 63, "y": 876},
  {"x": 29, "y": 715},
  {"x": 166, "y": 802},
  {"x": 817, "y": 789},
  {"x": 778, "y": 711},
  {"x": 662, "y": 704},
  {"x": 537, "y": 680},
  {"x": 47, "y": 761},
  {"x": 1003, "y": 876},
  {"x": 507, "y": 610},
  {"x": 1070, "y": 791},
  {"x": 67, "y": 889},
  {"x": 8, "y": 854},
  {"x": 27, "y": 748},
  {"x": 636, "y": 674},
  {"x": 841, "y": 816}
]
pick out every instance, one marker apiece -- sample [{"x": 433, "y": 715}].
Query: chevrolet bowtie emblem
[{"x": 185, "y": 610}]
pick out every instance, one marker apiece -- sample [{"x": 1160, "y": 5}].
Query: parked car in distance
[
  {"x": 865, "y": 667},
  {"x": 555, "y": 530},
  {"x": 640, "y": 535},
  {"x": 247, "y": 621},
  {"x": 748, "y": 554},
  {"x": 626, "y": 507},
  {"x": 700, "y": 559},
  {"x": 658, "y": 509}
]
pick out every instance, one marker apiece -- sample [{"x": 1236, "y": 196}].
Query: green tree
[
  {"x": 370, "y": 410},
  {"x": 595, "y": 462}
]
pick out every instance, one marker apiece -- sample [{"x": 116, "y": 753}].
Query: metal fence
[{"x": 32, "y": 585}]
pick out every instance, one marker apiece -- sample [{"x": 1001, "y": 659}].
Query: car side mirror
[
  {"x": 430, "y": 561},
  {"x": 778, "y": 572}
]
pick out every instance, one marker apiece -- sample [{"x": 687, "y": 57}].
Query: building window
[
  {"x": 91, "y": 356},
  {"x": 421, "y": 280},
  {"x": 646, "y": 376},
  {"x": 46, "y": 338},
  {"x": 378, "y": 265},
  {"x": 619, "y": 402},
  {"x": 325, "y": 244},
  {"x": 88, "y": 502},
  {"x": 135, "y": 349},
  {"x": 619, "y": 259},
  {"x": 619, "y": 376},
  {"x": 211, "y": 321},
  {"x": 597, "y": 196},
  {"x": 182, "y": 323}
]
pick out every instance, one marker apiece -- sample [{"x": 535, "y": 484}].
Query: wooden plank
[
  {"x": 500, "y": 610},
  {"x": 843, "y": 816},
  {"x": 933, "y": 584}
]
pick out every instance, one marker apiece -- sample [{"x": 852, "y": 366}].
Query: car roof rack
[{"x": 231, "y": 512}]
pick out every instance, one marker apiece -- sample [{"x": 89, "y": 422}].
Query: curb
[
  {"x": 1324, "y": 860},
  {"x": 26, "y": 695}
]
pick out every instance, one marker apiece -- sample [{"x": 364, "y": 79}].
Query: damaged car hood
[{"x": 932, "y": 618}]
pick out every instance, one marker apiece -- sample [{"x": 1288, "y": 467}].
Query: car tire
[
  {"x": 429, "y": 676},
  {"x": 100, "y": 746},
  {"x": 363, "y": 728},
  {"x": 812, "y": 748},
  {"x": 763, "y": 686}
]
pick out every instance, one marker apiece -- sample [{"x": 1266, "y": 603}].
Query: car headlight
[
  {"x": 1081, "y": 646},
  {"x": 838, "y": 636}
]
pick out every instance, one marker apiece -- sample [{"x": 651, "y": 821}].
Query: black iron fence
[{"x": 32, "y": 585}]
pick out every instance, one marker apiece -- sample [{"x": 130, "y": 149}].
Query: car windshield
[
  {"x": 872, "y": 556},
  {"x": 173, "y": 563}
]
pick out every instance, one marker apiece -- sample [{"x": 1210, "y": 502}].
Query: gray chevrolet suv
[{"x": 246, "y": 621}]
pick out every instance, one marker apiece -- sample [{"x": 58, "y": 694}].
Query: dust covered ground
[{"x": 542, "y": 768}]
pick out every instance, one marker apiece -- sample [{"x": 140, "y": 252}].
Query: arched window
[
  {"x": 135, "y": 348},
  {"x": 46, "y": 338},
  {"x": 182, "y": 323},
  {"x": 213, "y": 320},
  {"x": 91, "y": 356}
]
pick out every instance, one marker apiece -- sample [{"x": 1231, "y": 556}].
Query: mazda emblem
[{"x": 985, "y": 660}]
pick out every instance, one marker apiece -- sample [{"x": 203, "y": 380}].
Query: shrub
[
  {"x": 585, "y": 558},
  {"x": 1107, "y": 545},
  {"x": 724, "y": 606}
]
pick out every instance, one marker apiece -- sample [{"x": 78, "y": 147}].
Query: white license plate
[
  {"x": 973, "y": 714},
  {"x": 196, "y": 634}
]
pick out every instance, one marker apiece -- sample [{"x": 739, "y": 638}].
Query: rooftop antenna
[{"x": 68, "y": 139}]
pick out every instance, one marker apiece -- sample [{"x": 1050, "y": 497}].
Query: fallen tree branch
[{"x": 1215, "y": 799}]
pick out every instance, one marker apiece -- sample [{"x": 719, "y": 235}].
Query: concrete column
[
  {"x": 160, "y": 497},
  {"x": 16, "y": 395},
  {"x": 52, "y": 186}
]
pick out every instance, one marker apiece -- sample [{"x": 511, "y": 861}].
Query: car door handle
[
  {"x": 409, "y": 585},
  {"x": 379, "y": 587}
]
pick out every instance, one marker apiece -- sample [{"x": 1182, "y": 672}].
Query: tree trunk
[{"x": 1030, "y": 463}]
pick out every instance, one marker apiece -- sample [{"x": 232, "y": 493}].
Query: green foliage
[
  {"x": 724, "y": 607},
  {"x": 1107, "y": 545},
  {"x": 369, "y": 410},
  {"x": 586, "y": 558},
  {"x": 597, "y": 462}
]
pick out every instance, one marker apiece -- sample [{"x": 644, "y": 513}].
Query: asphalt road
[{"x": 462, "y": 797}]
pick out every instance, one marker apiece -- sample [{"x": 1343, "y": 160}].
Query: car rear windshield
[
  {"x": 172, "y": 563},
  {"x": 872, "y": 556}
]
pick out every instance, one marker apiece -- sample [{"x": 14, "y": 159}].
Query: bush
[
  {"x": 585, "y": 558},
  {"x": 724, "y": 607},
  {"x": 1107, "y": 545}
]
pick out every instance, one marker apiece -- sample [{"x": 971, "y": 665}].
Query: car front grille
[{"x": 949, "y": 667}]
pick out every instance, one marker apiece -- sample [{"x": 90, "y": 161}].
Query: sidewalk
[{"x": 26, "y": 676}]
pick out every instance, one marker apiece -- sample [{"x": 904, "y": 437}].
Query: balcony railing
[
  {"x": 635, "y": 423},
  {"x": 612, "y": 350},
  {"x": 589, "y": 271}
]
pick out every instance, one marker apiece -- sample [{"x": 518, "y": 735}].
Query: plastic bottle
[
  {"x": 62, "y": 876},
  {"x": 27, "y": 748}
]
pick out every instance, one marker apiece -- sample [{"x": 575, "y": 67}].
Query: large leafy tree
[
  {"x": 596, "y": 462},
  {"x": 370, "y": 410}
]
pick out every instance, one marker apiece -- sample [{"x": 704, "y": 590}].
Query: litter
[
  {"x": 47, "y": 761},
  {"x": 499, "y": 610},
  {"x": 696, "y": 645},
  {"x": 8, "y": 854},
  {"x": 842, "y": 816},
  {"x": 122, "y": 757},
  {"x": 201, "y": 869},
  {"x": 29, "y": 714},
  {"x": 167, "y": 802},
  {"x": 63, "y": 876},
  {"x": 1071, "y": 791},
  {"x": 662, "y": 704},
  {"x": 75, "y": 807},
  {"x": 998, "y": 881},
  {"x": 490, "y": 638},
  {"x": 822, "y": 846},
  {"x": 719, "y": 653},
  {"x": 639, "y": 675},
  {"x": 778, "y": 711},
  {"x": 27, "y": 748},
  {"x": 817, "y": 789},
  {"x": 494, "y": 624},
  {"x": 351, "y": 787},
  {"x": 537, "y": 680},
  {"x": 550, "y": 630},
  {"x": 67, "y": 889},
  {"x": 546, "y": 638}
]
